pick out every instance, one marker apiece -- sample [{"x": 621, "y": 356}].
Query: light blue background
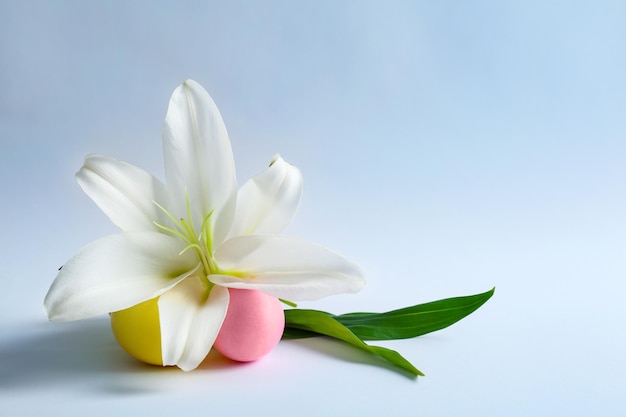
[{"x": 446, "y": 146}]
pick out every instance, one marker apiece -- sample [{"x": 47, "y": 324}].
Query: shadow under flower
[
  {"x": 85, "y": 356},
  {"x": 79, "y": 354}
]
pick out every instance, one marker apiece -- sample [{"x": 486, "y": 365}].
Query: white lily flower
[{"x": 189, "y": 240}]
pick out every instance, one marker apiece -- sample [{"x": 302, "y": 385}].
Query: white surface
[{"x": 446, "y": 147}]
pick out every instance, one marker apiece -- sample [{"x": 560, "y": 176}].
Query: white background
[{"x": 447, "y": 147}]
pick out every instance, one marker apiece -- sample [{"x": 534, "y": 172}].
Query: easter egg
[
  {"x": 253, "y": 325},
  {"x": 137, "y": 330}
]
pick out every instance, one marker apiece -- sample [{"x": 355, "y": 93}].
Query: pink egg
[{"x": 253, "y": 325}]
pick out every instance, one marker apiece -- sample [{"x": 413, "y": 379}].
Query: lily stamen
[{"x": 199, "y": 243}]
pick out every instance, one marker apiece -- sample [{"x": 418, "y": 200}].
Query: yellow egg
[{"x": 137, "y": 330}]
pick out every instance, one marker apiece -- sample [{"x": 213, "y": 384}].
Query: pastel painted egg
[
  {"x": 137, "y": 330},
  {"x": 253, "y": 325}
]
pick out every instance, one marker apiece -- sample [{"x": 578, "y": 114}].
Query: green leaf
[
  {"x": 413, "y": 321},
  {"x": 397, "y": 324},
  {"x": 319, "y": 322}
]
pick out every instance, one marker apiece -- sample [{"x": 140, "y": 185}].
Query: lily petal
[
  {"x": 117, "y": 272},
  {"x": 189, "y": 322},
  {"x": 267, "y": 203},
  {"x": 285, "y": 267},
  {"x": 199, "y": 163},
  {"x": 125, "y": 193}
]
